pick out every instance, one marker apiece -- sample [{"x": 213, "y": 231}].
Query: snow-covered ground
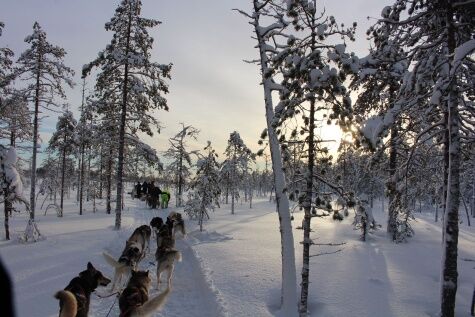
[{"x": 233, "y": 268}]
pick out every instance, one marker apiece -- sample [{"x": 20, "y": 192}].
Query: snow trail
[{"x": 192, "y": 294}]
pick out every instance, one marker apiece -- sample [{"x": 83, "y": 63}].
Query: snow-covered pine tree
[
  {"x": 438, "y": 39},
  {"x": 205, "y": 187},
  {"x": 41, "y": 67},
  {"x": 378, "y": 82},
  {"x": 64, "y": 141},
  {"x": 236, "y": 164},
  {"x": 139, "y": 152},
  {"x": 11, "y": 187},
  {"x": 314, "y": 69},
  {"x": 14, "y": 126},
  {"x": 180, "y": 157},
  {"x": 105, "y": 133},
  {"x": 127, "y": 72},
  {"x": 6, "y": 64}
]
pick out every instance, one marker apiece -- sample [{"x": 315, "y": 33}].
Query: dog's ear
[
  {"x": 90, "y": 267},
  {"x": 147, "y": 272}
]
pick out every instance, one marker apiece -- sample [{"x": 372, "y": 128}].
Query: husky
[
  {"x": 156, "y": 224},
  {"x": 176, "y": 223},
  {"x": 166, "y": 263},
  {"x": 165, "y": 239},
  {"x": 134, "y": 300},
  {"x": 135, "y": 250},
  {"x": 75, "y": 298}
]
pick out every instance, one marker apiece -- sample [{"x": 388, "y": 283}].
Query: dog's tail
[
  {"x": 153, "y": 305},
  {"x": 178, "y": 256},
  {"x": 112, "y": 262},
  {"x": 69, "y": 305}
]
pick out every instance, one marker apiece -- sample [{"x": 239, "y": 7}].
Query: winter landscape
[{"x": 237, "y": 158}]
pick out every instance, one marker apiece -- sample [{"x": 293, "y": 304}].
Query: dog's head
[
  {"x": 94, "y": 277},
  {"x": 156, "y": 222},
  {"x": 145, "y": 229},
  {"x": 140, "y": 279}
]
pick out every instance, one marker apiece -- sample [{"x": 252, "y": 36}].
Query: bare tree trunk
[
  {"x": 63, "y": 171},
  {"x": 109, "y": 182},
  {"x": 89, "y": 156},
  {"x": 81, "y": 181},
  {"x": 307, "y": 205},
  {"x": 120, "y": 164},
  {"x": 101, "y": 176},
  {"x": 449, "y": 272},
  {"x": 180, "y": 178},
  {"x": 35, "y": 139},
  {"x": 232, "y": 202},
  {"x": 79, "y": 177},
  {"x": 8, "y": 210},
  {"x": 392, "y": 211}
]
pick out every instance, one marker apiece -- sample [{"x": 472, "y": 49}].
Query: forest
[{"x": 284, "y": 224}]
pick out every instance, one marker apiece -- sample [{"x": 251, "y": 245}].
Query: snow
[
  {"x": 233, "y": 268},
  {"x": 464, "y": 50},
  {"x": 372, "y": 129}
]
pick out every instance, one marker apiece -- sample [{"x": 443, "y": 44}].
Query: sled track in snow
[{"x": 192, "y": 291}]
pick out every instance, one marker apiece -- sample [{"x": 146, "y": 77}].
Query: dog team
[{"x": 134, "y": 299}]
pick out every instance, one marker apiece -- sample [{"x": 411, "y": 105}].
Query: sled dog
[
  {"x": 75, "y": 298},
  {"x": 176, "y": 223},
  {"x": 164, "y": 238},
  {"x": 166, "y": 263},
  {"x": 134, "y": 300},
  {"x": 135, "y": 249},
  {"x": 156, "y": 224}
]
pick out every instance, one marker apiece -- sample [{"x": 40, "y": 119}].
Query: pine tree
[
  {"x": 180, "y": 158},
  {"x": 379, "y": 81},
  {"x": 205, "y": 187},
  {"x": 64, "y": 141},
  {"x": 314, "y": 70},
  {"x": 127, "y": 72},
  {"x": 15, "y": 124},
  {"x": 6, "y": 64},
  {"x": 236, "y": 164},
  {"x": 41, "y": 66},
  {"x": 10, "y": 182}
]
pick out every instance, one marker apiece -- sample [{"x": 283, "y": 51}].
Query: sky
[{"x": 212, "y": 88}]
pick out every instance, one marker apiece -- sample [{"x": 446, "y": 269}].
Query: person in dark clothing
[
  {"x": 6, "y": 300},
  {"x": 155, "y": 195},
  {"x": 145, "y": 188},
  {"x": 138, "y": 190}
]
